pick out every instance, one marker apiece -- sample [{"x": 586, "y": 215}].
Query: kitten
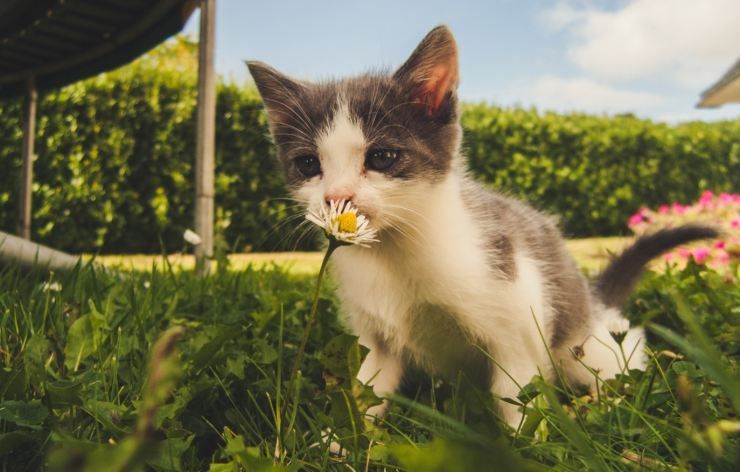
[{"x": 462, "y": 279}]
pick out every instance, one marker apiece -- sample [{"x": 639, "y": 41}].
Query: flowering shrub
[{"x": 721, "y": 211}]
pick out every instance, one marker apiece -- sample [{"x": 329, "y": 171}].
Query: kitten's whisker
[
  {"x": 307, "y": 231},
  {"x": 406, "y": 235},
  {"x": 300, "y": 132},
  {"x": 385, "y": 95},
  {"x": 410, "y": 210},
  {"x": 291, "y": 107},
  {"x": 298, "y": 143},
  {"x": 409, "y": 239},
  {"x": 375, "y": 104},
  {"x": 296, "y": 203},
  {"x": 291, "y": 238},
  {"x": 279, "y": 226},
  {"x": 403, "y": 225},
  {"x": 378, "y": 133},
  {"x": 374, "y": 133},
  {"x": 424, "y": 218},
  {"x": 396, "y": 106}
]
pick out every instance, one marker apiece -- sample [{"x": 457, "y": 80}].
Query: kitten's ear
[
  {"x": 432, "y": 70},
  {"x": 278, "y": 91}
]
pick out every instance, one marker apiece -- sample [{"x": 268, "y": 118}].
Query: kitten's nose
[{"x": 338, "y": 196}]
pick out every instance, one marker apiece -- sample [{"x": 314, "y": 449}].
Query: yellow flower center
[{"x": 347, "y": 222}]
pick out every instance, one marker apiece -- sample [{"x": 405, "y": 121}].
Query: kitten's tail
[{"x": 616, "y": 282}]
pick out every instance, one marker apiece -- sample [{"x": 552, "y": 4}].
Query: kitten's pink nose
[{"x": 338, "y": 196}]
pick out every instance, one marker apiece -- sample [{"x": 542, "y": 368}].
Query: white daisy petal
[
  {"x": 192, "y": 237},
  {"x": 315, "y": 219},
  {"x": 51, "y": 287},
  {"x": 328, "y": 219},
  {"x": 618, "y": 327}
]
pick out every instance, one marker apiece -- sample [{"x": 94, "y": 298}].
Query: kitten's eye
[
  {"x": 309, "y": 165},
  {"x": 381, "y": 159}
]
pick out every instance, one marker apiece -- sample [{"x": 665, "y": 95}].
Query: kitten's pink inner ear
[{"x": 442, "y": 80}]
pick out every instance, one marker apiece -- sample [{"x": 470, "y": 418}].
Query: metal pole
[
  {"x": 29, "y": 254},
  {"x": 29, "y": 133},
  {"x": 205, "y": 140}
]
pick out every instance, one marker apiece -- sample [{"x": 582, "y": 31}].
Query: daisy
[
  {"x": 342, "y": 224},
  {"x": 618, "y": 327},
  {"x": 192, "y": 237},
  {"x": 51, "y": 287}
]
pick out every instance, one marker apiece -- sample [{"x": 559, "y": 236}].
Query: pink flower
[
  {"x": 700, "y": 254},
  {"x": 636, "y": 219},
  {"x": 720, "y": 210},
  {"x": 726, "y": 198},
  {"x": 679, "y": 209},
  {"x": 722, "y": 257}
]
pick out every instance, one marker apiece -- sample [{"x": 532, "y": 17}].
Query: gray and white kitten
[{"x": 462, "y": 279}]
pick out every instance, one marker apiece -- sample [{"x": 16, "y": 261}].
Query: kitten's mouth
[
  {"x": 343, "y": 224},
  {"x": 369, "y": 213},
  {"x": 374, "y": 216}
]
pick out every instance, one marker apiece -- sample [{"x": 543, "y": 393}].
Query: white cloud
[
  {"x": 563, "y": 15},
  {"x": 729, "y": 112},
  {"x": 685, "y": 42},
  {"x": 584, "y": 94}
]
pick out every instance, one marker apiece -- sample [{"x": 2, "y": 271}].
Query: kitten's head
[{"x": 379, "y": 140}]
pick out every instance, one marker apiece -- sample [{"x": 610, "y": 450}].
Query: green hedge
[
  {"x": 114, "y": 167},
  {"x": 115, "y": 163},
  {"x": 595, "y": 171}
]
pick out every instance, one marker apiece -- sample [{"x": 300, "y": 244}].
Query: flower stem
[
  {"x": 626, "y": 367},
  {"x": 333, "y": 245}
]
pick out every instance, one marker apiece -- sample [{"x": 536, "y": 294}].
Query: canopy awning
[
  {"x": 57, "y": 42},
  {"x": 50, "y": 43},
  {"x": 726, "y": 90}
]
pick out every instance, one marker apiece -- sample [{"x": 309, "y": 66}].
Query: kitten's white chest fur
[{"x": 433, "y": 297}]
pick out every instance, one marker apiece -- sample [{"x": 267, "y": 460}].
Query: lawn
[
  {"x": 156, "y": 369},
  {"x": 590, "y": 253}
]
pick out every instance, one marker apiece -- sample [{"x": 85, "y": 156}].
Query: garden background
[{"x": 114, "y": 165}]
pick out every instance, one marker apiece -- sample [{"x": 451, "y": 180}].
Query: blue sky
[{"x": 649, "y": 57}]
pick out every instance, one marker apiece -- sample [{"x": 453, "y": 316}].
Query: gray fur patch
[
  {"x": 501, "y": 256},
  {"x": 537, "y": 236}
]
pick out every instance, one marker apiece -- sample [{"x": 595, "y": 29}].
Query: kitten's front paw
[
  {"x": 373, "y": 414},
  {"x": 335, "y": 449}
]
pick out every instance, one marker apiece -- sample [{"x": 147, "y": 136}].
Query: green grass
[{"x": 84, "y": 384}]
